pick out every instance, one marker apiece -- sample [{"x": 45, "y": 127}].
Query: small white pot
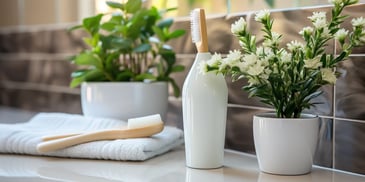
[
  {"x": 124, "y": 100},
  {"x": 285, "y": 146}
]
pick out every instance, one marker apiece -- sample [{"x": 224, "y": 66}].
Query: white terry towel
[{"x": 23, "y": 138}]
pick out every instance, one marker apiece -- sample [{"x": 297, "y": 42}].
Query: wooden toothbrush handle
[
  {"x": 54, "y": 137},
  {"x": 61, "y": 143}
]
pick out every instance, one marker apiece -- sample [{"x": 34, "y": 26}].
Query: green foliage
[
  {"x": 131, "y": 45},
  {"x": 289, "y": 78}
]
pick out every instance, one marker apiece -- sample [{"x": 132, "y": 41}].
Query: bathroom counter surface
[{"x": 167, "y": 167}]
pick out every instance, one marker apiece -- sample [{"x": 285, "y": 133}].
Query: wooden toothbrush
[{"x": 137, "y": 128}]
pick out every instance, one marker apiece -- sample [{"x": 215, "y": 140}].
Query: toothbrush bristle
[{"x": 195, "y": 25}]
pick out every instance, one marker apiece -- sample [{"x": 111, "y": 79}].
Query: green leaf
[
  {"x": 134, "y": 31},
  {"x": 86, "y": 75},
  {"x": 150, "y": 21},
  {"x": 175, "y": 87},
  {"x": 178, "y": 68},
  {"x": 133, "y": 6},
  {"x": 112, "y": 64},
  {"x": 339, "y": 58},
  {"x": 106, "y": 41},
  {"x": 145, "y": 76},
  {"x": 176, "y": 33},
  {"x": 87, "y": 58},
  {"x": 74, "y": 28},
  {"x": 116, "y": 19},
  {"x": 166, "y": 23},
  {"x": 142, "y": 48},
  {"x": 92, "y": 41},
  {"x": 78, "y": 73},
  {"x": 153, "y": 12},
  {"x": 168, "y": 56},
  {"x": 126, "y": 75},
  {"x": 121, "y": 29},
  {"x": 160, "y": 34},
  {"x": 168, "y": 10},
  {"x": 76, "y": 82},
  {"x": 114, "y": 4},
  {"x": 94, "y": 75},
  {"x": 122, "y": 43},
  {"x": 91, "y": 24},
  {"x": 108, "y": 26}
]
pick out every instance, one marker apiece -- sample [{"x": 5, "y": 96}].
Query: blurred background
[{"x": 35, "y": 12}]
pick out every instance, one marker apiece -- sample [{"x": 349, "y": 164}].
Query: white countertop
[{"x": 167, "y": 167}]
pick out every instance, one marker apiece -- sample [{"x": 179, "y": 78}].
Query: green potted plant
[
  {"x": 127, "y": 50},
  {"x": 288, "y": 78}
]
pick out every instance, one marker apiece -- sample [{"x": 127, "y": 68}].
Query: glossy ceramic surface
[
  {"x": 124, "y": 100},
  {"x": 204, "y": 102},
  {"x": 168, "y": 167},
  {"x": 285, "y": 146}
]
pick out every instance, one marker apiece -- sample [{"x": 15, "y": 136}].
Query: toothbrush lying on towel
[{"x": 137, "y": 128}]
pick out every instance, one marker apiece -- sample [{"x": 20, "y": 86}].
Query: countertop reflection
[{"x": 167, "y": 167}]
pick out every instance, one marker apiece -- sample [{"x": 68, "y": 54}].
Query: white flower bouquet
[{"x": 288, "y": 78}]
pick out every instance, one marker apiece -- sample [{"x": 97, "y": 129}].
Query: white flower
[
  {"x": 264, "y": 62},
  {"x": 215, "y": 60},
  {"x": 250, "y": 59},
  {"x": 326, "y": 33},
  {"x": 239, "y": 26},
  {"x": 247, "y": 61},
  {"x": 234, "y": 55},
  {"x": 318, "y": 19},
  {"x": 306, "y": 31},
  {"x": 274, "y": 41},
  {"x": 285, "y": 56},
  {"x": 317, "y": 15},
  {"x": 336, "y": 2},
  {"x": 341, "y": 34},
  {"x": 328, "y": 75},
  {"x": 269, "y": 54},
  {"x": 260, "y": 51},
  {"x": 233, "y": 58},
  {"x": 255, "y": 69},
  {"x": 223, "y": 65},
  {"x": 253, "y": 81},
  {"x": 294, "y": 45},
  {"x": 320, "y": 23},
  {"x": 358, "y": 22},
  {"x": 312, "y": 63},
  {"x": 264, "y": 53},
  {"x": 265, "y": 74},
  {"x": 262, "y": 15}
]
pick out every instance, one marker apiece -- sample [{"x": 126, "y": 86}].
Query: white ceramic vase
[
  {"x": 285, "y": 146},
  {"x": 204, "y": 100},
  {"x": 124, "y": 100}
]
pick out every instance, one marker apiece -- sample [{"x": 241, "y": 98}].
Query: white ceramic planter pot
[
  {"x": 285, "y": 146},
  {"x": 124, "y": 100}
]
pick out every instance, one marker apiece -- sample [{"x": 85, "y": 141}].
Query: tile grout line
[{"x": 334, "y": 118}]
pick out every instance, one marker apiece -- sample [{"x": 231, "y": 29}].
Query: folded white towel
[{"x": 23, "y": 138}]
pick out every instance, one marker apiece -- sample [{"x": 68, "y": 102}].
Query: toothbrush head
[
  {"x": 144, "y": 121},
  {"x": 199, "y": 30},
  {"x": 195, "y": 25}
]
